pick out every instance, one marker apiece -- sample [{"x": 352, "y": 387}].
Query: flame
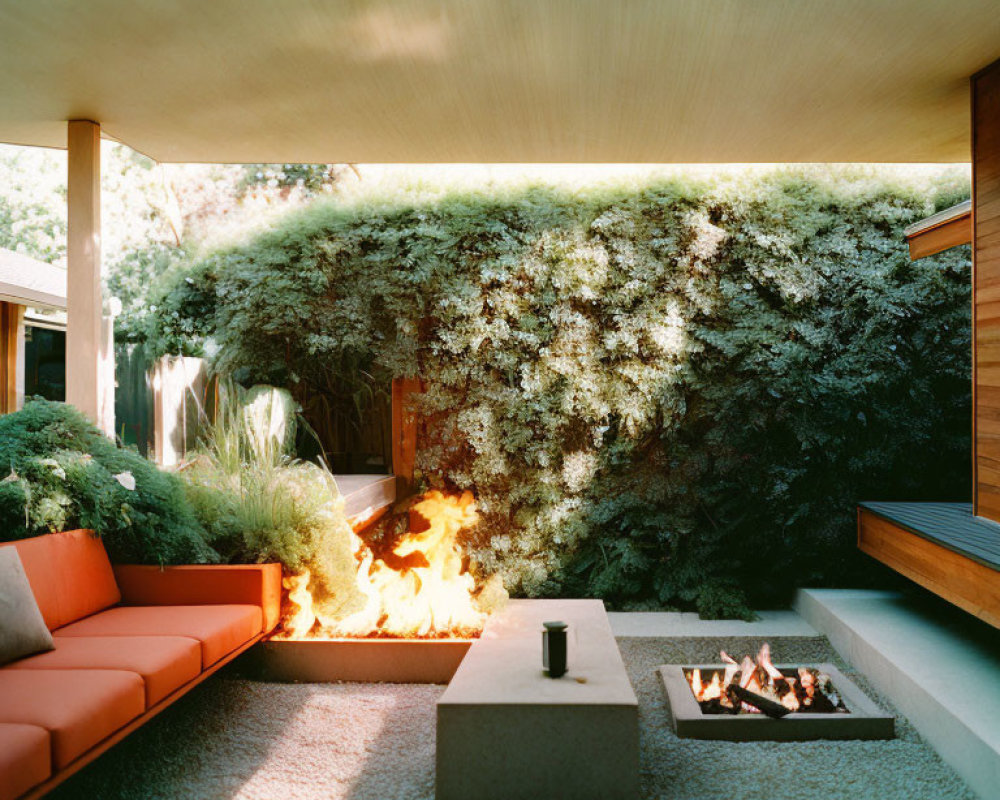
[
  {"x": 765, "y": 663},
  {"x": 703, "y": 691},
  {"x": 431, "y": 595},
  {"x": 696, "y": 685},
  {"x": 714, "y": 689},
  {"x": 790, "y": 701},
  {"x": 303, "y": 618}
]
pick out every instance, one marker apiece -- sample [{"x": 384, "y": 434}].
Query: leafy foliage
[
  {"x": 284, "y": 178},
  {"x": 669, "y": 392},
  {"x": 64, "y": 474},
  {"x": 243, "y": 500},
  {"x": 154, "y": 214}
]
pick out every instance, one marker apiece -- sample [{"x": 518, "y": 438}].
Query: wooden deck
[{"x": 941, "y": 546}]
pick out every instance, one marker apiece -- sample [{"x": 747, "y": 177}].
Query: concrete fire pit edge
[{"x": 865, "y": 720}]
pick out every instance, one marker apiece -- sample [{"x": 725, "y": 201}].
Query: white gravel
[
  {"x": 904, "y": 768},
  {"x": 243, "y": 740}
]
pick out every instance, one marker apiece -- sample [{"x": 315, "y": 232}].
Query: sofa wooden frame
[
  {"x": 102, "y": 747},
  {"x": 136, "y": 579}
]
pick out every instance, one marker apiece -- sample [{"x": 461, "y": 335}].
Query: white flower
[
  {"x": 126, "y": 479},
  {"x": 58, "y": 471},
  {"x": 579, "y": 469}
]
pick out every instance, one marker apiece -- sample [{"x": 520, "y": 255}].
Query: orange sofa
[{"x": 129, "y": 640}]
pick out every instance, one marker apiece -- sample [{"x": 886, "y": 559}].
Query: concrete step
[
  {"x": 938, "y": 665},
  {"x": 686, "y": 623}
]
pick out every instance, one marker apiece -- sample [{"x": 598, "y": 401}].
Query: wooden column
[
  {"x": 83, "y": 278},
  {"x": 986, "y": 290},
  {"x": 404, "y": 433},
  {"x": 11, "y": 315}
]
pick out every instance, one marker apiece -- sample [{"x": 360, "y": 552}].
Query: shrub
[
  {"x": 664, "y": 393},
  {"x": 63, "y": 473},
  {"x": 258, "y": 503}
]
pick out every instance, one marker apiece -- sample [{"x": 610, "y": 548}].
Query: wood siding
[
  {"x": 955, "y": 577},
  {"x": 986, "y": 289}
]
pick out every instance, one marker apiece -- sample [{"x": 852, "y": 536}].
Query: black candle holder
[{"x": 554, "y": 649}]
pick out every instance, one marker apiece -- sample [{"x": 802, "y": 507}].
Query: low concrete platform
[
  {"x": 506, "y": 731},
  {"x": 940, "y": 666},
  {"x": 679, "y": 624},
  {"x": 364, "y": 495}
]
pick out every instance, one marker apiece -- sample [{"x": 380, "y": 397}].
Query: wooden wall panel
[{"x": 986, "y": 289}]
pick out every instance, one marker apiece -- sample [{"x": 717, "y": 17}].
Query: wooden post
[
  {"x": 986, "y": 290},
  {"x": 404, "y": 433},
  {"x": 83, "y": 278},
  {"x": 11, "y": 317}
]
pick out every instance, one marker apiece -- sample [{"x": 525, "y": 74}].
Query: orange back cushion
[
  {"x": 37, "y": 559},
  {"x": 70, "y": 575}
]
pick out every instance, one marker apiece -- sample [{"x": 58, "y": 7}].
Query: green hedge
[
  {"x": 63, "y": 473},
  {"x": 671, "y": 392}
]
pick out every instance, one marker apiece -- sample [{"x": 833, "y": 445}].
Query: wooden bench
[
  {"x": 507, "y": 731},
  {"x": 941, "y": 546}
]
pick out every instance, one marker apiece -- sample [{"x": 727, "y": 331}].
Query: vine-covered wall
[{"x": 671, "y": 392}]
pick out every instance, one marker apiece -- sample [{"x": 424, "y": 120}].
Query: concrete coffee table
[{"x": 506, "y": 730}]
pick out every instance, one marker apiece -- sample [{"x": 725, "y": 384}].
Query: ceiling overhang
[{"x": 484, "y": 81}]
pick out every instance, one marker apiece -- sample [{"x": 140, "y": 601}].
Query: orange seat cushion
[
  {"x": 220, "y": 629},
  {"x": 164, "y": 662},
  {"x": 69, "y": 573},
  {"x": 25, "y": 758},
  {"x": 78, "y": 708}
]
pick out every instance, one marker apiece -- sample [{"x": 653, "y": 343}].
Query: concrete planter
[{"x": 362, "y": 660}]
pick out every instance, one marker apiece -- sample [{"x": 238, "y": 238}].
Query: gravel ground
[
  {"x": 684, "y": 769},
  {"x": 239, "y": 739},
  {"x": 266, "y": 741}
]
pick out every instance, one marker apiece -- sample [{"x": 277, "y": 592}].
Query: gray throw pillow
[{"x": 22, "y": 629}]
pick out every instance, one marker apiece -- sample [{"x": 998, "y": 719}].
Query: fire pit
[
  {"x": 420, "y": 608},
  {"x": 759, "y": 701},
  {"x": 360, "y": 660}
]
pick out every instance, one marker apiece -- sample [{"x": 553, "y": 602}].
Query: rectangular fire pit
[
  {"x": 864, "y": 719},
  {"x": 361, "y": 660}
]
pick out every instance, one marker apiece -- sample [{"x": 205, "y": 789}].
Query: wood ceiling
[{"x": 500, "y": 80}]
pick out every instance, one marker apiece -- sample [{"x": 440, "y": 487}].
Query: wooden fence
[{"x": 161, "y": 405}]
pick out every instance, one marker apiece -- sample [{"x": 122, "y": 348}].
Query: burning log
[{"x": 758, "y": 701}]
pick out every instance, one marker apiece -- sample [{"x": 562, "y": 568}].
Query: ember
[{"x": 754, "y": 687}]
